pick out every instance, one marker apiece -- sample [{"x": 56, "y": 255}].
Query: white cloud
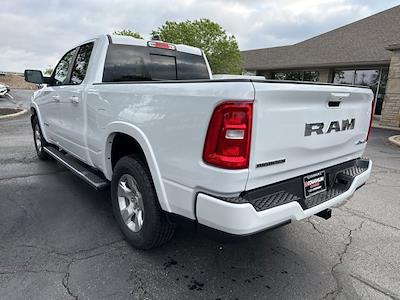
[
  {"x": 15, "y": 58},
  {"x": 37, "y": 33}
]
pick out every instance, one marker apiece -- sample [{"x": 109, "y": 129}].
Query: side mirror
[{"x": 34, "y": 76}]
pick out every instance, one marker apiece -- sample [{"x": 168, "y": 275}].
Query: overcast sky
[{"x": 35, "y": 34}]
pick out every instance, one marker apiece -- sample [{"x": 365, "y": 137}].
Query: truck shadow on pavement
[{"x": 63, "y": 233}]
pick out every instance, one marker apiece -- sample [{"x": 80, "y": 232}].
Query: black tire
[
  {"x": 156, "y": 228},
  {"x": 39, "y": 148}
]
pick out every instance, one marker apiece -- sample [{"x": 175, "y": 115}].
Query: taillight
[
  {"x": 371, "y": 119},
  {"x": 227, "y": 143}
]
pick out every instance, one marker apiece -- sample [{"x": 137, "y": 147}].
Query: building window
[
  {"x": 297, "y": 75},
  {"x": 358, "y": 77},
  {"x": 381, "y": 91},
  {"x": 280, "y": 76},
  {"x": 375, "y": 79},
  {"x": 311, "y": 76},
  {"x": 344, "y": 76},
  {"x": 249, "y": 73},
  {"x": 367, "y": 77}
]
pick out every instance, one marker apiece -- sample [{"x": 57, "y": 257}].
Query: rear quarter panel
[{"x": 174, "y": 119}]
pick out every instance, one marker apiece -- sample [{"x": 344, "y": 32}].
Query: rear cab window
[
  {"x": 163, "y": 67},
  {"x": 140, "y": 63}
]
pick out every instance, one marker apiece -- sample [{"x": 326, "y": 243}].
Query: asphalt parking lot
[
  {"x": 59, "y": 240},
  {"x": 19, "y": 99}
]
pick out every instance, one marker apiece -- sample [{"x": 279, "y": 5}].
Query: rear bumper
[{"x": 245, "y": 218}]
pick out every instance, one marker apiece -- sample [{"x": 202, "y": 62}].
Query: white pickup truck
[{"x": 238, "y": 155}]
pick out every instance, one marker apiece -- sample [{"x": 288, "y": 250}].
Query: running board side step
[{"x": 95, "y": 180}]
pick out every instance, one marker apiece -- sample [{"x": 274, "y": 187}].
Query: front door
[{"x": 50, "y": 97}]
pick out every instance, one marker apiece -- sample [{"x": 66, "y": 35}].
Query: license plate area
[{"x": 314, "y": 183}]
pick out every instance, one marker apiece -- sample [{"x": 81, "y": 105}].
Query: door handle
[
  {"x": 56, "y": 98},
  {"x": 74, "y": 99}
]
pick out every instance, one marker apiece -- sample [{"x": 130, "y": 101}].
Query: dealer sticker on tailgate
[{"x": 314, "y": 183}]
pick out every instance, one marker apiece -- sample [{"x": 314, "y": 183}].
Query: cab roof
[{"x": 127, "y": 40}]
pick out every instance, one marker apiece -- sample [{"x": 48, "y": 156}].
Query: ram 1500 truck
[{"x": 239, "y": 155}]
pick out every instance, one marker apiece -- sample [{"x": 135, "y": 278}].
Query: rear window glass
[
  {"x": 163, "y": 67},
  {"x": 191, "y": 66},
  {"x": 138, "y": 63}
]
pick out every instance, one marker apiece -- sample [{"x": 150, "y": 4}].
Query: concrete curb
[
  {"x": 10, "y": 116},
  {"x": 386, "y": 127},
  {"x": 393, "y": 140}
]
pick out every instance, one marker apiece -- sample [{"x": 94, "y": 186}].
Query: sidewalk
[
  {"x": 20, "y": 99},
  {"x": 395, "y": 140}
]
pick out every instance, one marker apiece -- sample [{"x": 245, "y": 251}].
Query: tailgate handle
[{"x": 334, "y": 103}]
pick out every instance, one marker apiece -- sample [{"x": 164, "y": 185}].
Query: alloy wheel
[
  {"x": 130, "y": 202},
  {"x": 38, "y": 138}
]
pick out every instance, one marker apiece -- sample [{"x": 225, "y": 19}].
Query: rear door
[
  {"x": 302, "y": 128},
  {"x": 73, "y": 104}
]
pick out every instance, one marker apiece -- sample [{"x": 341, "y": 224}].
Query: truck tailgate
[{"x": 288, "y": 137}]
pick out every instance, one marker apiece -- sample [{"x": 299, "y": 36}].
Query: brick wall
[{"x": 391, "y": 103}]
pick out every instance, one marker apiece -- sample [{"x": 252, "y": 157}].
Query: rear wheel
[
  {"x": 39, "y": 140},
  {"x": 136, "y": 206}
]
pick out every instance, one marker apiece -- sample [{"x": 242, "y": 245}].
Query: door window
[
  {"x": 81, "y": 63},
  {"x": 60, "y": 74}
]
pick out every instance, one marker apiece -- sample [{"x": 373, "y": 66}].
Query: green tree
[
  {"x": 48, "y": 70},
  {"x": 128, "y": 32},
  {"x": 221, "y": 49}
]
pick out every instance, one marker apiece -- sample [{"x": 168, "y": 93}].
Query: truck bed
[{"x": 174, "y": 116}]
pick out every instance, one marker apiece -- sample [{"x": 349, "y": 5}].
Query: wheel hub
[
  {"x": 130, "y": 202},
  {"x": 38, "y": 138}
]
